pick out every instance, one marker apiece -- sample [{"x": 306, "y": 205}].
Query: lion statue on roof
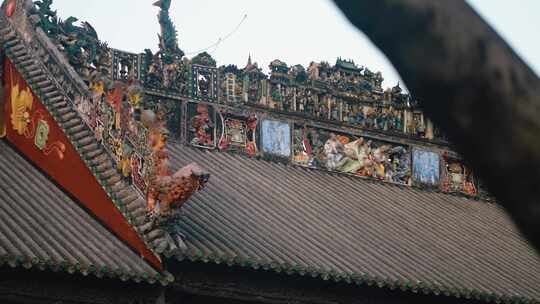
[{"x": 168, "y": 191}]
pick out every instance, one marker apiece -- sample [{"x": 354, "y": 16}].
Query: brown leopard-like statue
[{"x": 170, "y": 192}]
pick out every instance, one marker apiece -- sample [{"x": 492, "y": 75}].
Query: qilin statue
[{"x": 168, "y": 191}]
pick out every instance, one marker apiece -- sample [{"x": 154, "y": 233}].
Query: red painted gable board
[{"x": 33, "y": 131}]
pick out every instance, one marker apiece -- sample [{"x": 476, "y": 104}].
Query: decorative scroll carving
[
  {"x": 42, "y": 134},
  {"x": 28, "y": 119},
  {"x": 21, "y": 107}
]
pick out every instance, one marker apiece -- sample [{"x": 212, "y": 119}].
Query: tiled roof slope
[
  {"x": 295, "y": 220},
  {"x": 53, "y": 80},
  {"x": 40, "y": 226}
]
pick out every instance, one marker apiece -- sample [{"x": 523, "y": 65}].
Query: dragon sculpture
[
  {"x": 80, "y": 44},
  {"x": 166, "y": 68},
  {"x": 48, "y": 20},
  {"x": 168, "y": 39}
]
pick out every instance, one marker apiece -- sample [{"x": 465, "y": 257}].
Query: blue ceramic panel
[
  {"x": 426, "y": 167},
  {"x": 276, "y": 138}
]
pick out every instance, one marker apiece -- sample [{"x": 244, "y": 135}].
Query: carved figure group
[
  {"x": 202, "y": 127},
  {"x": 360, "y": 156}
]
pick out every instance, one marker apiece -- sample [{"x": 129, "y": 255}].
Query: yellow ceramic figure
[
  {"x": 125, "y": 166},
  {"x": 98, "y": 88},
  {"x": 21, "y": 105},
  {"x": 134, "y": 99}
]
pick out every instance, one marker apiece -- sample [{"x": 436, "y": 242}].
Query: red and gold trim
[{"x": 34, "y": 132}]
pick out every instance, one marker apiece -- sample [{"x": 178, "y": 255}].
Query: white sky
[{"x": 296, "y": 32}]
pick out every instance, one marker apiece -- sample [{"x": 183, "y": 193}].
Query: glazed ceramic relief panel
[
  {"x": 384, "y": 118},
  {"x": 426, "y": 167},
  {"x": 457, "y": 178},
  {"x": 209, "y": 126},
  {"x": 450, "y": 174},
  {"x": 204, "y": 83},
  {"x": 361, "y": 156},
  {"x": 201, "y": 128},
  {"x": 238, "y": 133},
  {"x": 276, "y": 138},
  {"x": 120, "y": 128}
]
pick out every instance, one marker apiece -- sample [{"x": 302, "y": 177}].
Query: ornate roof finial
[
  {"x": 168, "y": 39},
  {"x": 250, "y": 66},
  {"x": 163, "y": 4}
]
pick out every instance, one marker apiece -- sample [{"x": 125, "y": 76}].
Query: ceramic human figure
[
  {"x": 202, "y": 126},
  {"x": 333, "y": 150}
]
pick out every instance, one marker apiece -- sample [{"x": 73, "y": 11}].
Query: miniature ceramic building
[{"x": 157, "y": 178}]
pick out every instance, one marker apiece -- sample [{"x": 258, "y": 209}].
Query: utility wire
[{"x": 216, "y": 44}]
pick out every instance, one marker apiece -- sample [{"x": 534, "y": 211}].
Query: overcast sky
[{"x": 295, "y": 31}]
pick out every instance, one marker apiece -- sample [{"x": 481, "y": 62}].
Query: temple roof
[
  {"x": 295, "y": 220},
  {"x": 253, "y": 213},
  {"x": 346, "y": 64},
  {"x": 42, "y": 227},
  {"x": 123, "y": 195},
  {"x": 277, "y": 62}
]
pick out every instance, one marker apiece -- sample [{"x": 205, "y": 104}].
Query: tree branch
[{"x": 474, "y": 87}]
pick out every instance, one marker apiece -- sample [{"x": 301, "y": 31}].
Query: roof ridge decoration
[
  {"x": 205, "y": 105},
  {"x": 136, "y": 142},
  {"x": 34, "y": 39}
]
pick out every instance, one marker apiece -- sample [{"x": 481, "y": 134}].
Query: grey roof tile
[
  {"x": 41, "y": 226},
  {"x": 261, "y": 214}
]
